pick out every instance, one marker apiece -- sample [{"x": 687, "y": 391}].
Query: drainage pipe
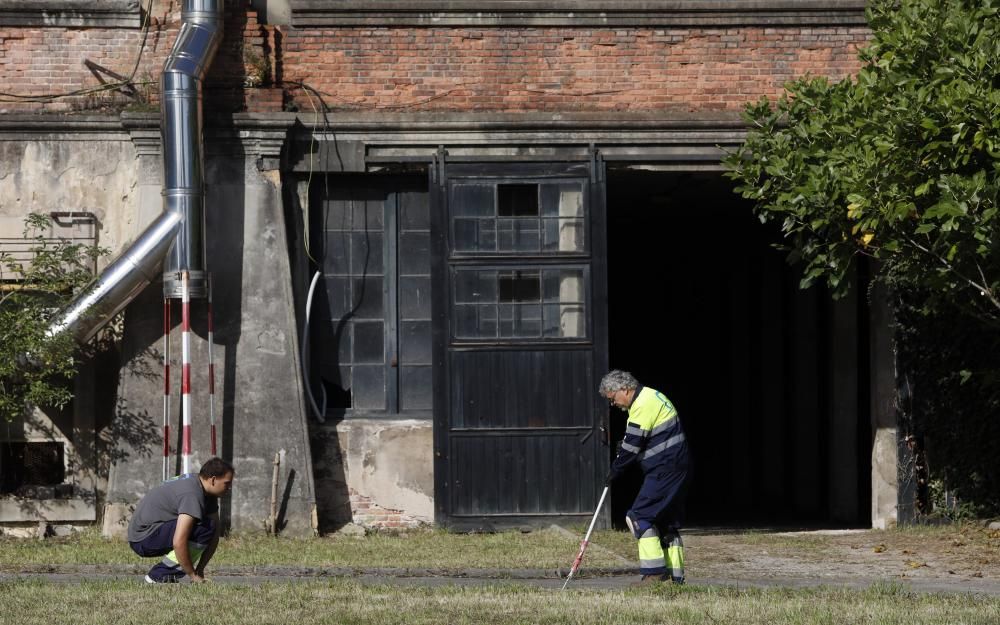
[{"x": 180, "y": 228}]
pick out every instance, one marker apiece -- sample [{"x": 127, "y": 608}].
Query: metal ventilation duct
[
  {"x": 183, "y": 148},
  {"x": 180, "y": 229}
]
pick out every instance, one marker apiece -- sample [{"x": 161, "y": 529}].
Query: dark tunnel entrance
[{"x": 771, "y": 381}]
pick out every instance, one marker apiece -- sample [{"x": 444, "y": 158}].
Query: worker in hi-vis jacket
[{"x": 655, "y": 440}]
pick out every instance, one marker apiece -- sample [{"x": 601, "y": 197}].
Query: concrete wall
[
  {"x": 84, "y": 164},
  {"x": 69, "y": 169},
  {"x": 112, "y": 169},
  {"x": 374, "y": 473}
]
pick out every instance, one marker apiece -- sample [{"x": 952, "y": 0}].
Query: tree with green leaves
[
  {"x": 900, "y": 163},
  {"x": 34, "y": 366}
]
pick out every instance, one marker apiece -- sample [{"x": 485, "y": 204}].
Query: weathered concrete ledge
[{"x": 71, "y": 13}]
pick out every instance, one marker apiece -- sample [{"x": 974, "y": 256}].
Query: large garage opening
[{"x": 771, "y": 381}]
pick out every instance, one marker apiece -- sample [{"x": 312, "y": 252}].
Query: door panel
[
  {"x": 524, "y": 388},
  {"x": 520, "y": 342}
]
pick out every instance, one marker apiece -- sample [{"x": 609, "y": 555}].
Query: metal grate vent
[
  {"x": 24, "y": 466},
  {"x": 74, "y": 227}
]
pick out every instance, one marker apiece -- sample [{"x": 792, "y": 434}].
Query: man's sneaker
[{"x": 166, "y": 579}]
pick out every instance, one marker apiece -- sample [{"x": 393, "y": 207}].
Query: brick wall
[
  {"x": 40, "y": 62},
  {"x": 413, "y": 69},
  {"x": 366, "y": 513},
  {"x": 555, "y": 69}
]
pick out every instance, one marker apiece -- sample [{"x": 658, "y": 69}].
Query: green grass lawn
[
  {"x": 344, "y": 602},
  {"x": 425, "y": 548}
]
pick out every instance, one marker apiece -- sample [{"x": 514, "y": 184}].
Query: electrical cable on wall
[
  {"x": 111, "y": 86},
  {"x": 318, "y": 410}
]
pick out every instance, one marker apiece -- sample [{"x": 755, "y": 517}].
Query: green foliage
[
  {"x": 33, "y": 365},
  {"x": 900, "y": 163},
  {"x": 951, "y": 372}
]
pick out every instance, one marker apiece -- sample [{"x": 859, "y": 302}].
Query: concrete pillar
[
  {"x": 885, "y": 449},
  {"x": 149, "y": 177},
  {"x": 263, "y": 405},
  {"x": 259, "y": 400}
]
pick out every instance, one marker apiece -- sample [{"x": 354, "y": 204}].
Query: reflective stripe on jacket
[{"x": 653, "y": 436}]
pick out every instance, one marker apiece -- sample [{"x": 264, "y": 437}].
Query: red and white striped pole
[
  {"x": 166, "y": 388},
  {"x": 186, "y": 371},
  {"x": 211, "y": 367}
]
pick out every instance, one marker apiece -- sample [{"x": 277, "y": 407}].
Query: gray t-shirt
[{"x": 183, "y": 495}]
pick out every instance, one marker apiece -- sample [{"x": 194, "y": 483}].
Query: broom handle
[{"x": 586, "y": 539}]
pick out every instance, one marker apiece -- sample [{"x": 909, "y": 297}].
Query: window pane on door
[
  {"x": 510, "y": 218},
  {"x": 525, "y": 303},
  {"x": 369, "y": 342},
  {"x": 415, "y": 388},
  {"x": 517, "y": 200},
  {"x": 473, "y": 200}
]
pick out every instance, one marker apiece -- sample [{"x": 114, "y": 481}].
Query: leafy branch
[{"x": 34, "y": 366}]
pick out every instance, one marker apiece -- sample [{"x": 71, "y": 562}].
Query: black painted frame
[{"x": 595, "y": 434}]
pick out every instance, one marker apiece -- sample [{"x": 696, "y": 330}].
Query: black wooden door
[{"x": 520, "y": 342}]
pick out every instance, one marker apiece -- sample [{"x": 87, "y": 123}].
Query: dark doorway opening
[{"x": 771, "y": 381}]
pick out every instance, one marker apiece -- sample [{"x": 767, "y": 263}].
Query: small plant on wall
[{"x": 256, "y": 68}]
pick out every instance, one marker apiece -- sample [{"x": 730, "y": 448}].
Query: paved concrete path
[{"x": 603, "y": 579}]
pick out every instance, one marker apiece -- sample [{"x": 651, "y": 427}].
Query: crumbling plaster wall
[
  {"x": 83, "y": 172},
  {"x": 59, "y": 170},
  {"x": 374, "y": 473}
]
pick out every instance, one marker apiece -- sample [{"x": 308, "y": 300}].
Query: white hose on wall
[{"x": 304, "y": 353}]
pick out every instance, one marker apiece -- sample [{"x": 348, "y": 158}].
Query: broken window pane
[{"x": 517, "y": 200}]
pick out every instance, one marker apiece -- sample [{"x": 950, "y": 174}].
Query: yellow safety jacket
[{"x": 653, "y": 436}]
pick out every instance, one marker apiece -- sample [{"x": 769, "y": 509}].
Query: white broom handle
[{"x": 593, "y": 521}]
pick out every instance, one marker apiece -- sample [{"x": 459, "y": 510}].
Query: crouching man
[{"x": 179, "y": 520}]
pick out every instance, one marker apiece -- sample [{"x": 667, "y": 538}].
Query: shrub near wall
[{"x": 950, "y": 386}]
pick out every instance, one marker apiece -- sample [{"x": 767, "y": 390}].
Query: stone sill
[
  {"x": 18, "y": 510},
  {"x": 648, "y": 13},
  {"x": 71, "y": 13}
]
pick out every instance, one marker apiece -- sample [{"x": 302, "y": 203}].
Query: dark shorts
[{"x": 161, "y": 541}]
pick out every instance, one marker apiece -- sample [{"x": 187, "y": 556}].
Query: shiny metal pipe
[
  {"x": 120, "y": 282},
  {"x": 183, "y": 148},
  {"x": 181, "y": 226}
]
